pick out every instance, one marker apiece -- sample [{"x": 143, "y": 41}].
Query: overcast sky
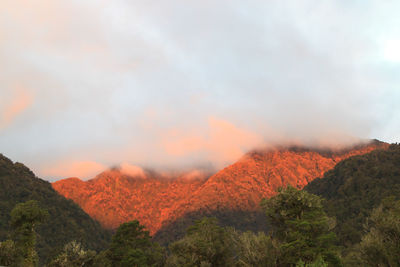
[{"x": 85, "y": 85}]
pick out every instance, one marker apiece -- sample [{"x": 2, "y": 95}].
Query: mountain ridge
[{"x": 113, "y": 197}]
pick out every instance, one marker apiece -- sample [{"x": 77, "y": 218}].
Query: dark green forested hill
[
  {"x": 67, "y": 221},
  {"x": 241, "y": 220},
  {"x": 356, "y": 186}
]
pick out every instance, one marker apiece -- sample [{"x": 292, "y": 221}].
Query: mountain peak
[{"x": 114, "y": 197}]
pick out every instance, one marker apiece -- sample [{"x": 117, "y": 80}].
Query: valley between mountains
[{"x": 114, "y": 197}]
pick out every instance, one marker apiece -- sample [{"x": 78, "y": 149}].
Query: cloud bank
[{"x": 173, "y": 84}]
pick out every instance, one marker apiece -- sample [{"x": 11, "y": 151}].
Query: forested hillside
[
  {"x": 66, "y": 221},
  {"x": 356, "y": 186},
  {"x": 114, "y": 197},
  {"x": 357, "y": 200}
]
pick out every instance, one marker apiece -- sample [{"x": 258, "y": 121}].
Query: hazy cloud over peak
[{"x": 177, "y": 83}]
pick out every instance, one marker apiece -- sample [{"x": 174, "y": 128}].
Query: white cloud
[{"x": 304, "y": 70}]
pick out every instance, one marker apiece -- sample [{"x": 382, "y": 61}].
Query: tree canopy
[
  {"x": 380, "y": 246},
  {"x": 298, "y": 220},
  {"x": 131, "y": 245}
]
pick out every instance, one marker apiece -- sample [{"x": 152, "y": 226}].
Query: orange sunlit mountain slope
[{"x": 113, "y": 197}]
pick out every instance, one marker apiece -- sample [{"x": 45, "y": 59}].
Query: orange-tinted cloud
[
  {"x": 229, "y": 141},
  {"x": 132, "y": 170},
  {"x": 222, "y": 141},
  {"x": 20, "y": 103},
  {"x": 80, "y": 169}
]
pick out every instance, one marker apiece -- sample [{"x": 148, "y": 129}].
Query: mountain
[
  {"x": 356, "y": 186},
  {"x": 234, "y": 193},
  {"x": 67, "y": 221},
  {"x": 114, "y": 197}
]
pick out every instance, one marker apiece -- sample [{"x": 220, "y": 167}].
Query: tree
[
  {"x": 205, "y": 244},
  {"x": 299, "y": 223},
  {"x": 256, "y": 249},
  {"x": 132, "y": 246},
  {"x": 24, "y": 218},
  {"x": 7, "y": 253},
  {"x": 74, "y": 255},
  {"x": 381, "y": 245}
]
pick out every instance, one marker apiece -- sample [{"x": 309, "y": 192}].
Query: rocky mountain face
[{"x": 114, "y": 197}]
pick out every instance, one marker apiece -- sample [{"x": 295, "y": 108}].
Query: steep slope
[
  {"x": 242, "y": 185},
  {"x": 113, "y": 198},
  {"x": 356, "y": 186},
  {"x": 67, "y": 220}
]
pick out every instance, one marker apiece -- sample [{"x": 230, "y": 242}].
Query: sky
[{"x": 85, "y": 85}]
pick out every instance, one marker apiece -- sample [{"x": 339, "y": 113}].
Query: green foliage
[
  {"x": 205, "y": 244},
  {"x": 74, "y": 255},
  {"x": 355, "y": 187},
  {"x": 300, "y": 229},
  {"x": 8, "y": 253},
  {"x": 208, "y": 244},
  {"x": 132, "y": 246},
  {"x": 24, "y": 218},
  {"x": 298, "y": 221},
  {"x": 319, "y": 262},
  {"x": 241, "y": 220},
  {"x": 66, "y": 222},
  {"x": 102, "y": 260},
  {"x": 27, "y": 215},
  {"x": 256, "y": 249},
  {"x": 381, "y": 245}
]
